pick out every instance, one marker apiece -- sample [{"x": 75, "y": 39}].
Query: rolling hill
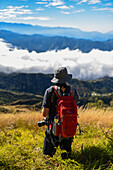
[{"x": 17, "y": 98}]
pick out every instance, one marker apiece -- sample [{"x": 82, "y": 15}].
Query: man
[{"x": 60, "y": 78}]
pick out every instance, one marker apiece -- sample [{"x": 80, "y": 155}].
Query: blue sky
[{"x": 88, "y": 15}]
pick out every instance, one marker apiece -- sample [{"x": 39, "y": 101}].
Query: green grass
[{"x": 21, "y": 148}]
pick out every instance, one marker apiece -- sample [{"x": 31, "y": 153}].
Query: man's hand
[{"x": 45, "y": 111}]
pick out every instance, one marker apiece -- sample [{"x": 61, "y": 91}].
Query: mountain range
[
  {"x": 37, "y": 83},
  {"x": 41, "y": 43},
  {"x": 22, "y": 88},
  {"x": 55, "y": 31}
]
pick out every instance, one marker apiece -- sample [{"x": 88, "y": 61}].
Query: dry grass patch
[
  {"x": 20, "y": 115},
  {"x": 99, "y": 116},
  {"x": 86, "y": 116}
]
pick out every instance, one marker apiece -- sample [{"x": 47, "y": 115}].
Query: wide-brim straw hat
[{"x": 61, "y": 75}]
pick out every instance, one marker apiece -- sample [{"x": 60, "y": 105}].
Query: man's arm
[
  {"x": 46, "y": 103},
  {"x": 45, "y": 111}
]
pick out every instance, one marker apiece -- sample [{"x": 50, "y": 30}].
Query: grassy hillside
[
  {"x": 100, "y": 86},
  {"x": 23, "y": 99},
  {"x": 23, "y": 82},
  {"x": 21, "y": 142}
]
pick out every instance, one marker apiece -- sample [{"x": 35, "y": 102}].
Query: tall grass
[
  {"x": 21, "y": 142},
  {"x": 20, "y": 116},
  {"x": 99, "y": 116}
]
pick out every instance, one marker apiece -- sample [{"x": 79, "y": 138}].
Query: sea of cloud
[{"x": 84, "y": 66}]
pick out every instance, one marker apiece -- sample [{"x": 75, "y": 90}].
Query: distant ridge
[
  {"x": 41, "y": 43},
  {"x": 55, "y": 31}
]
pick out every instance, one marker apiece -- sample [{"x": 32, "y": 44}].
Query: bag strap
[
  {"x": 52, "y": 94},
  {"x": 57, "y": 91},
  {"x": 72, "y": 91},
  {"x": 52, "y": 101}
]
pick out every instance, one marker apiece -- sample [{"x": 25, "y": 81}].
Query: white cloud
[
  {"x": 78, "y": 11},
  {"x": 26, "y": 57},
  {"x": 103, "y": 9},
  {"x": 65, "y": 12},
  {"x": 94, "y": 1},
  {"x": 44, "y": 18},
  {"x": 14, "y": 11},
  {"x": 41, "y": 2},
  {"x": 40, "y": 9},
  {"x": 82, "y": 65},
  {"x": 36, "y": 18},
  {"x": 71, "y": 6},
  {"x": 108, "y": 4},
  {"x": 82, "y": 1},
  {"x": 89, "y": 1},
  {"x": 63, "y": 7},
  {"x": 56, "y": 3}
]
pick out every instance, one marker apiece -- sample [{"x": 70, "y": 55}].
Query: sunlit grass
[
  {"x": 99, "y": 116},
  {"x": 86, "y": 116},
  {"x": 28, "y": 117},
  {"x": 21, "y": 141}
]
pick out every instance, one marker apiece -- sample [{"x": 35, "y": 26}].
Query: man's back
[{"x": 50, "y": 97}]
